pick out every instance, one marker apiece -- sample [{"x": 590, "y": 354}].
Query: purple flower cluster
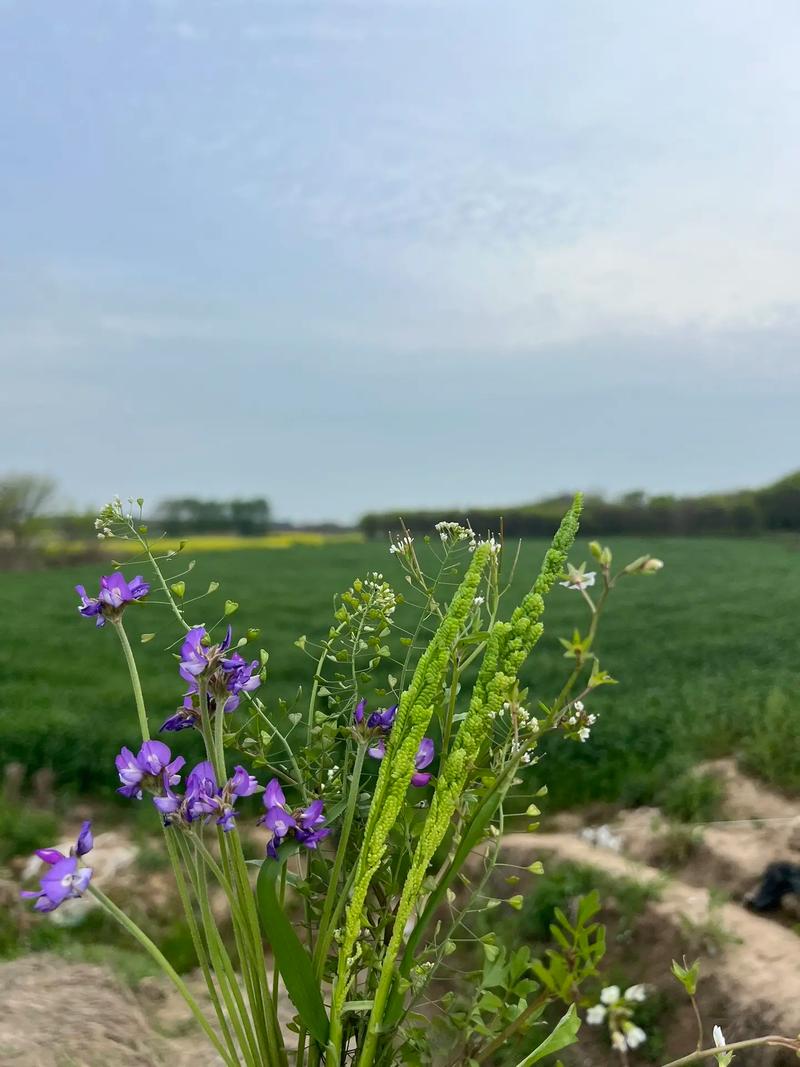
[
  {"x": 380, "y": 723},
  {"x": 227, "y": 675},
  {"x": 115, "y": 593},
  {"x": 64, "y": 879},
  {"x": 153, "y": 765},
  {"x": 154, "y": 769},
  {"x": 307, "y": 824},
  {"x": 204, "y": 798}
]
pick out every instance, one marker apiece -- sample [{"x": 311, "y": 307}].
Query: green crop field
[{"x": 704, "y": 652}]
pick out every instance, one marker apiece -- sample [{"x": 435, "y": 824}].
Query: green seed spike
[{"x": 507, "y": 647}]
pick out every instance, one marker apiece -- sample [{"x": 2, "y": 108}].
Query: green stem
[
  {"x": 248, "y": 963},
  {"x": 325, "y": 928},
  {"x": 199, "y": 947},
  {"x": 138, "y": 695},
  {"x": 224, "y": 970},
  {"x": 247, "y": 898},
  {"x": 176, "y": 611},
  {"x": 165, "y": 966},
  {"x": 735, "y": 1046}
]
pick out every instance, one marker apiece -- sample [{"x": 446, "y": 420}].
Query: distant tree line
[
  {"x": 184, "y": 515},
  {"x": 773, "y": 508}
]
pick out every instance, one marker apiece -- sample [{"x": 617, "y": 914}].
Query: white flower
[
  {"x": 578, "y": 706},
  {"x": 618, "y": 1042},
  {"x": 595, "y": 1015},
  {"x": 478, "y": 601},
  {"x": 609, "y": 995},
  {"x": 578, "y": 580},
  {"x": 719, "y": 1037},
  {"x": 584, "y": 733},
  {"x": 402, "y": 545},
  {"x": 636, "y": 993},
  {"x": 634, "y": 1036}
]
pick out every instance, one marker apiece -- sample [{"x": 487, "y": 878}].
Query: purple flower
[
  {"x": 307, "y": 823},
  {"x": 84, "y": 844},
  {"x": 204, "y": 797},
  {"x": 228, "y": 676},
  {"x": 311, "y": 825},
  {"x": 183, "y": 719},
  {"x": 358, "y": 714},
  {"x": 423, "y": 758},
  {"x": 194, "y": 655},
  {"x": 242, "y": 783},
  {"x": 153, "y": 761},
  {"x": 382, "y": 720},
  {"x": 115, "y": 592},
  {"x": 64, "y": 879}
]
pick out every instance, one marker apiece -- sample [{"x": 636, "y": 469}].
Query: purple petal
[
  {"x": 44, "y": 903},
  {"x": 312, "y": 838},
  {"x": 312, "y": 816},
  {"x": 358, "y": 714},
  {"x": 138, "y": 587},
  {"x": 425, "y": 753},
  {"x": 57, "y": 882},
  {"x": 153, "y": 757},
  {"x": 82, "y": 879},
  {"x": 50, "y": 855},
  {"x": 378, "y": 750},
  {"x": 420, "y": 779},
  {"x": 274, "y": 795},
  {"x": 85, "y": 842},
  {"x": 242, "y": 783},
  {"x": 279, "y": 821}
]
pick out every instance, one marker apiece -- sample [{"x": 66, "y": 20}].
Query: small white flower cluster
[
  {"x": 478, "y": 601},
  {"x": 103, "y": 531},
  {"x": 602, "y": 837},
  {"x": 383, "y": 595},
  {"x": 615, "y": 1006},
  {"x": 112, "y": 513},
  {"x": 402, "y": 545},
  {"x": 526, "y": 728},
  {"x": 580, "y": 722},
  {"x": 494, "y": 545},
  {"x": 453, "y": 532}
]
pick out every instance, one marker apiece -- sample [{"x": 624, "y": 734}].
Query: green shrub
[
  {"x": 693, "y": 798},
  {"x": 772, "y": 750}
]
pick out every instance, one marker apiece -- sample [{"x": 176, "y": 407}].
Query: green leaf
[
  {"x": 687, "y": 976},
  {"x": 291, "y": 958},
  {"x": 565, "y": 1033},
  {"x": 178, "y": 588},
  {"x": 212, "y": 587},
  {"x": 230, "y": 607}
]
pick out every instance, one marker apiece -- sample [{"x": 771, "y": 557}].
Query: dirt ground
[{"x": 750, "y": 962}]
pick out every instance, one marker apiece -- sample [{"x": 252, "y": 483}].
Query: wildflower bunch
[{"x": 369, "y": 800}]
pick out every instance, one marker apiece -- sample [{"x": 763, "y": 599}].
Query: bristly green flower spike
[
  {"x": 507, "y": 647},
  {"x": 413, "y": 716}
]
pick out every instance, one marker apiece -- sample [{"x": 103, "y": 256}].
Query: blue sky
[{"x": 362, "y": 253}]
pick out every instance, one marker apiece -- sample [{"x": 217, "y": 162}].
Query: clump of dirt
[
  {"x": 54, "y": 1012},
  {"x": 750, "y": 963}
]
